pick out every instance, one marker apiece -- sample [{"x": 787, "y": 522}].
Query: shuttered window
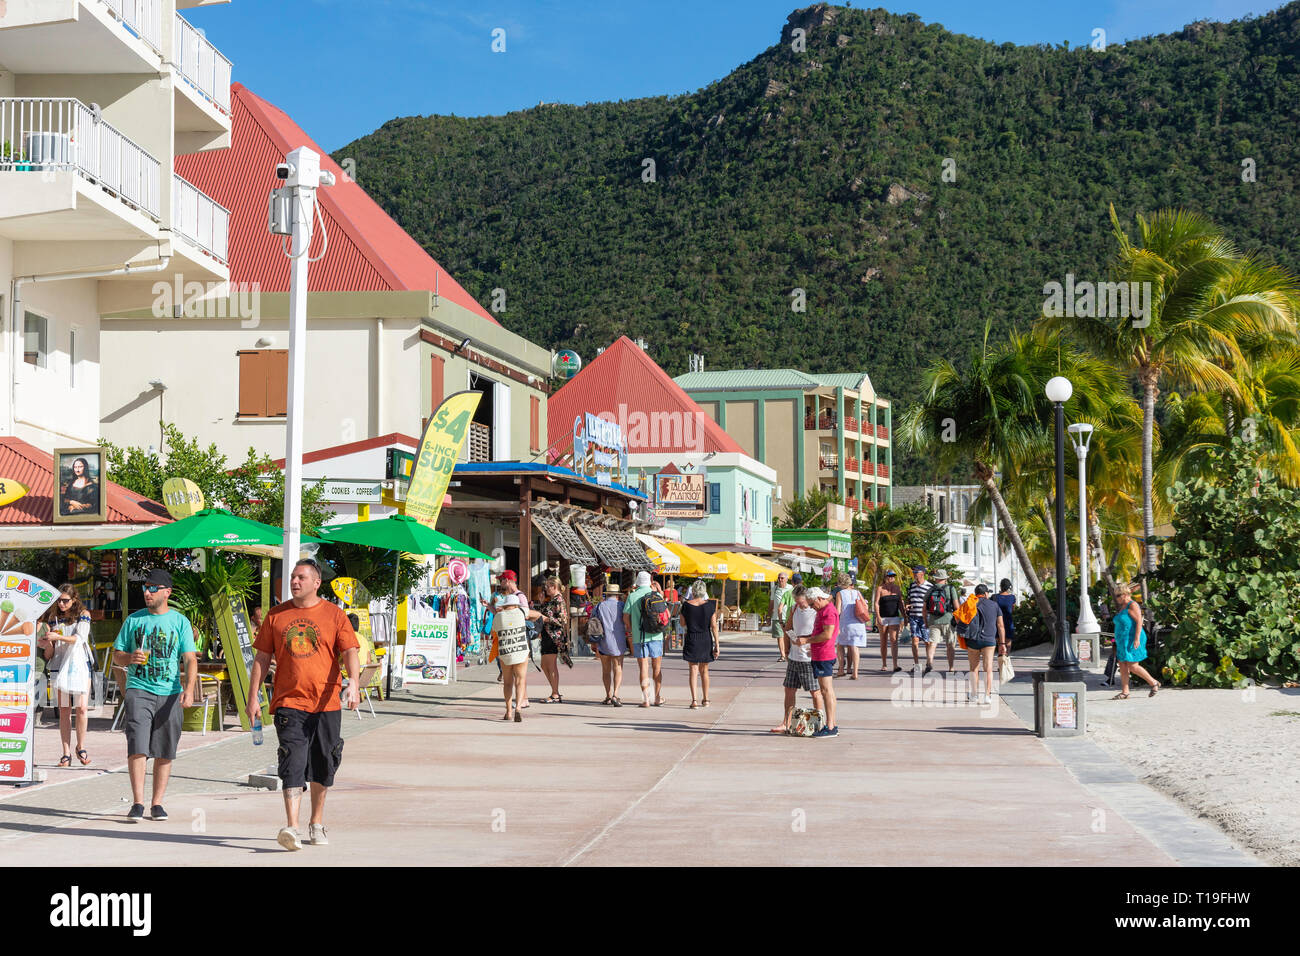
[
  {"x": 263, "y": 383},
  {"x": 437, "y": 365},
  {"x": 715, "y": 497}
]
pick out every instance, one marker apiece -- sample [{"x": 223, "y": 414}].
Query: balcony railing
[
  {"x": 851, "y": 465},
  {"x": 144, "y": 18},
  {"x": 882, "y": 470},
  {"x": 830, "y": 461},
  {"x": 882, "y": 432},
  {"x": 200, "y": 219},
  {"x": 200, "y": 63},
  {"x": 851, "y": 503},
  {"x": 868, "y": 428},
  {"x": 851, "y": 423},
  {"x": 44, "y": 133}
]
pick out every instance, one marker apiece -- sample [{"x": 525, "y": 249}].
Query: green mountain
[{"x": 824, "y": 170}]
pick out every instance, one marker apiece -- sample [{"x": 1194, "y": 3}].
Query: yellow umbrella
[
  {"x": 696, "y": 562},
  {"x": 743, "y": 567}
]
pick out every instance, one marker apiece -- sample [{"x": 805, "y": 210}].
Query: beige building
[
  {"x": 826, "y": 432},
  {"x": 98, "y": 99}
]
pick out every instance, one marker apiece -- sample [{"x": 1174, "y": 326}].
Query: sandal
[
  {"x": 616, "y": 702},
  {"x": 65, "y": 760},
  {"x": 704, "y": 703},
  {"x": 85, "y": 757},
  {"x": 1155, "y": 687},
  {"x": 1120, "y": 697},
  {"x": 519, "y": 718},
  {"x": 661, "y": 701},
  {"x": 694, "y": 705}
]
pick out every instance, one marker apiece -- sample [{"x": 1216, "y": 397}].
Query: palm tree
[
  {"x": 994, "y": 416},
  {"x": 1204, "y": 297},
  {"x": 885, "y": 540}
]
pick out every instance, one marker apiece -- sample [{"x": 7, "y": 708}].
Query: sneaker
[
  {"x": 828, "y": 732},
  {"x": 316, "y": 835},
  {"x": 136, "y": 813},
  {"x": 156, "y": 812},
  {"x": 288, "y": 838},
  {"x": 927, "y": 670}
]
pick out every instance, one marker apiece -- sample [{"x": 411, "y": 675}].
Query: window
[
  {"x": 715, "y": 497},
  {"x": 263, "y": 383},
  {"x": 36, "y": 330},
  {"x": 965, "y": 544}
]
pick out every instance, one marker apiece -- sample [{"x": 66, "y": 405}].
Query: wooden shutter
[
  {"x": 277, "y": 383},
  {"x": 715, "y": 497},
  {"x": 534, "y": 423},
  {"x": 437, "y": 366},
  {"x": 252, "y": 384}
]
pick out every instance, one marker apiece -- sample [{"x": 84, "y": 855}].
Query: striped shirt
[{"x": 916, "y": 595}]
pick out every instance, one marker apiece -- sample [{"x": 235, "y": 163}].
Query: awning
[
  {"x": 617, "y": 548},
  {"x": 564, "y": 540},
  {"x": 803, "y": 559},
  {"x": 745, "y": 567},
  {"x": 659, "y": 555},
  {"x": 697, "y": 562}
]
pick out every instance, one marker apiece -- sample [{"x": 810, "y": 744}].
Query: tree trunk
[
  {"x": 985, "y": 476},
  {"x": 1230, "y": 416},
  {"x": 1094, "y": 529},
  {"x": 1150, "y": 378},
  {"x": 1049, "y": 521}
]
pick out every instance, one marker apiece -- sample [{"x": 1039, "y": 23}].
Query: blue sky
[{"x": 367, "y": 61}]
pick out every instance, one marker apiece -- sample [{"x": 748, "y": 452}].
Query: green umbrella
[
  {"x": 400, "y": 533},
  {"x": 209, "y": 528}
]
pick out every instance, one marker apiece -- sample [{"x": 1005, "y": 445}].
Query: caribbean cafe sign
[{"x": 678, "y": 495}]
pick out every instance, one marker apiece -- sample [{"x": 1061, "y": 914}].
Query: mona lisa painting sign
[{"x": 79, "y": 485}]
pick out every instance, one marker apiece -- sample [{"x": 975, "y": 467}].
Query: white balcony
[
  {"x": 42, "y": 137},
  {"x": 81, "y": 36},
  {"x": 199, "y": 62},
  {"x": 200, "y": 219},
  {"x": 144, "y": 18}
]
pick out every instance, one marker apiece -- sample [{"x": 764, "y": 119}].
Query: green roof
[
  {"x": 842, "y": 379},
  {"x": 744, "y": 379}
]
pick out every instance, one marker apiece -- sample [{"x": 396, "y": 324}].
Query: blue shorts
[
  {"x": 648, "y": 649},
  {"x": 919, "y": 630},
  {"x": 823, "y": 668}
]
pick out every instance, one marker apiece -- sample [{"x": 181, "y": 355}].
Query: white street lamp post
[{"x": 1081, "y": 435}]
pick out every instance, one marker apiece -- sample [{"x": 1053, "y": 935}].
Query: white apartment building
[
  {"x": 97, "y": 100},
  {"x": 982, "y": 555}
]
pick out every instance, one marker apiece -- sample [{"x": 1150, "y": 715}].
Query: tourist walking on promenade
[
  {"x": 851, "y": 606},
  {"x": 940, "y": 625},
  {"x": 917, "y": 594},
  {"x": 825, "y": 627},
  {"x": 555, "y": 635},
  {"x": 151, "y": 645},
  {"x": 613, "y": 642},
  {"x": 1005, "y": 599},
  {"x": 700, "y": 615},
  {"x": 889, "y": 619},
  {"x": 984, "y": 633},
  {"x": 1130, "y": 643},
  {"x": 65, "y": 632},
  {"x": 647, "y": 643},
  {"x": 305, "y": 637},
  {"x": 674, "y": 599},
  {"x": 778, "y": 608},
  {"x": 510, "y": 630},
  {"x": 799, "y": 670}
]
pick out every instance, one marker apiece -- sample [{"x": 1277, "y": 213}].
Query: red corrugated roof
[
  {"x": 338, "y": 451},
  {"x": 33, "y": 468},
  {"x": 623, "y": 375},
  {"x": 368, "y": 251}
]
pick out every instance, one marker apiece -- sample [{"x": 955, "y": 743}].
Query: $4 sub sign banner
[
  {"x": 440, "y": 449},
  {"x": 23, "y": 599}
]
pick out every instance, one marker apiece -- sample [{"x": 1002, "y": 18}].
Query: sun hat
[
  {"x": 941, "y": 575},
  {"x": 814, "y": 593},
  {"x": 643, "y": 579},
  {"x": 611, "y": 587}
]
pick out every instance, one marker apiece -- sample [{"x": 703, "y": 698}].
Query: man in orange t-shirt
[{"x": 306, "y": 636}]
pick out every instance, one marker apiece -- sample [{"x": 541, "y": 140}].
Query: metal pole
[
  {"x": 1064, "y": 665},
  {"x": 1087, "y": 623}
]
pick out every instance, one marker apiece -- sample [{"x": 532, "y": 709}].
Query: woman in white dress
[
  {"x": 853, "y": 633},
  {"x": 65, "y": 633}
]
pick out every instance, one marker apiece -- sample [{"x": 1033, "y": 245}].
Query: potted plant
[{"x": 13, "y": 157}]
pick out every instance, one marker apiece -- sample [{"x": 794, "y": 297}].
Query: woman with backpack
[
  {"x": 65, "y": 634},
  {"x": 854, "y": 615},
  {"x": 1130, "y": 643}
]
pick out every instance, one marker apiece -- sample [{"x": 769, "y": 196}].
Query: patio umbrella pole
[{"x": 392, "y": 643}]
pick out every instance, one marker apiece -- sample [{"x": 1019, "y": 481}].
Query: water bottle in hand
[{"x": 257, "y": 731}]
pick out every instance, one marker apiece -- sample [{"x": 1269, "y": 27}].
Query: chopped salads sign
[{"x": 23, "y": 599}]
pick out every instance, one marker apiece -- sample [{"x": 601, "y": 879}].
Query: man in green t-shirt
[
  {"x": 150, "y": 646},
  {"x": 782, "y": 600},
  {"x": 646, "y": 646},
  {"x": 941, "y": 625}
]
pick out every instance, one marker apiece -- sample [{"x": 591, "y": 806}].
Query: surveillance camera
[{"x": 284, "y": 170}]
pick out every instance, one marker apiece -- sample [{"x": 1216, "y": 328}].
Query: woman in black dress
[{"x": 700, "y": 616}]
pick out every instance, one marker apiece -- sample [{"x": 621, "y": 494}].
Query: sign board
[
  {"x": 182, "y": 497},
  {"x": 440, "y": 449},
  {"x": 358, "y": 492},
  {"x": 430, "y": 655},
  {"x": 599, "y": 450},
  {"x": 566, "y": 364},
  {"x": 79, "y": 491},
  {"x": 680, "y": 496},
  {"x": 1065, "y": 710},
  {"x": 11, "y": 491},
  {"x": 23, "y": 599},
  {"x": 398, "y": 464},
  {"x": 236, "y": 633}
]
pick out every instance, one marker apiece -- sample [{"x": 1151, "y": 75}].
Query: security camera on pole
[{"x": 292, "y": 212}]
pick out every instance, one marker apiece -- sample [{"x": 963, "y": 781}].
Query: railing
[
  {"x": 144, "y": 18},
  {"x": 882, "y": 432},
  {"x": 830, "y": 461},
  {"x": 882, "y": 470},
  {"x": 851, "y": 503},
  {"x": 851, "y": 423},
  {"x": 851, "y": 464},
  {"x": 868, "y": 428},
  {"x": 200, "y": 63},
  {"x": 46, "y": 133},
  {"x": 199, "y": 218}
]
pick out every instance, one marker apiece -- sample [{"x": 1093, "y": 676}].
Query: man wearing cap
[
  {"x": 646, "y": 646},
  {"x": 889, "y": 615},
  {"x": 150, "y": 646},
  {"x": 941, "y": 625},
  {"x": 916, "y": 597},
  {"x": 306, "y": 637},
  {"x": 825, "y": 628},
  {"x": 779, "y": 606}
]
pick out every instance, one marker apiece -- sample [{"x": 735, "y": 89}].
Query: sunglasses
[{"x": 154, "y": 588}]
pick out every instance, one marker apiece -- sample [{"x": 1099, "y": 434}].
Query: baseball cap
[
  {"x": 813, "y": 594},
  {"x": 917, "y": 567},
  {"x": 159, "y": 577},
  {"x": 643, "y": 579},
  {"x": 981, "y": 589},
  {"x": 890, "y": 574},
  {"x": 797, "y": 579},
  {"x": 509, "y": 575}
]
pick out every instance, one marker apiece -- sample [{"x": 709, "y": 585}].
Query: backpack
[
  {"x": 964, "y": 613},
  {"x": 936, "y": 602},
  {"x": 805, "y": 723},
  {"x": 654, "y": 613}
]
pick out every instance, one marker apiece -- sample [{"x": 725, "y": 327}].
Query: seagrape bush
[{"x": 1230, "y": 578}]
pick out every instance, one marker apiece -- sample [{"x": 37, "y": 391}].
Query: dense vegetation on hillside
[{"x": 785, "y": 175}]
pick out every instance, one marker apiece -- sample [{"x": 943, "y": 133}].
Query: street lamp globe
[{"x": 1059, "y": 389}]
